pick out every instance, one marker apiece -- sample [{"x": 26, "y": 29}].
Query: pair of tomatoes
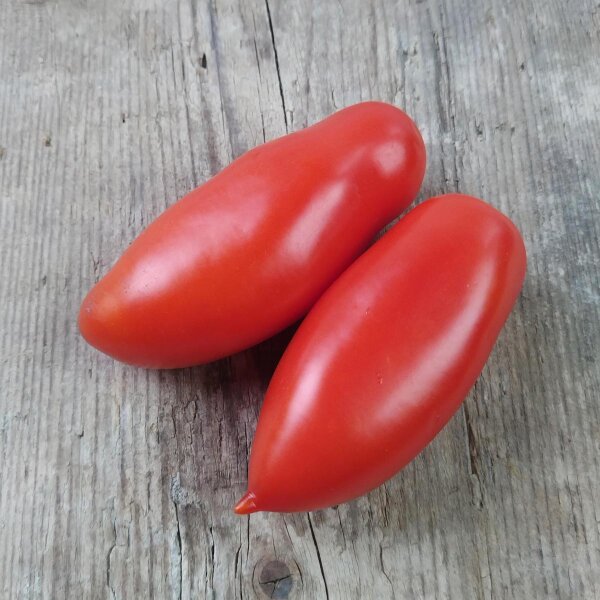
[{"x": 395, "y": 335}]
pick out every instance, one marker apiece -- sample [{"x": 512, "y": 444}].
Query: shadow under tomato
[
  {"x": 215, "y": 408},
  {"x": 248, "y": 367}
]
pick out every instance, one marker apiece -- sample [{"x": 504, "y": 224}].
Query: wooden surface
[{"x": 118, "y": 482}]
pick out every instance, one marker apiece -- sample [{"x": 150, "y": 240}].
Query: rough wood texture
[{"x": 118, "y": 482}]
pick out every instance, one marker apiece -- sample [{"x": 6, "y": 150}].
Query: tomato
[
  {"x": 249, "y": 252},
  {"x": 385, "y": 357}
]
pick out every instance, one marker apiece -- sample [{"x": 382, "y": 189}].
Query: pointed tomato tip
[
  {"x": 246, "y": 505},
  {"x": 94, "y": 317},
  {"x": 102, "y": 323}
]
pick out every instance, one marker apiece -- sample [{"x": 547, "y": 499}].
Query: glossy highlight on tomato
[
  {"x": 385, "y": 357},
  {"x": 250, "y": 251}
]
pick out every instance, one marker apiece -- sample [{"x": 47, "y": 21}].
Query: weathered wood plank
[{"x": 117, "y": 482}]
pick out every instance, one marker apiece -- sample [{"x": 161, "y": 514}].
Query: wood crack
[
  {"x": 277, "y": 65},
  {"x": 337, "y": 510},
  {"x": 214, "y": 44},
  {"x": 444, "y": 102},
  {"x": 275, "y": 583},
  {"x": 384, "y": 571},
  {"x": 473, "y": 454},
  {"x": 212, "y": 558},
  {"x": 314, "y": 539},
  {"x": 108, "y": 559},
  {"x": 179, "y": 550}
]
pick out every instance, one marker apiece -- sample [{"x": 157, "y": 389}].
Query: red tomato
[
  {"x": 250, "y": 251},
  {"x": 385, "y": 357}
]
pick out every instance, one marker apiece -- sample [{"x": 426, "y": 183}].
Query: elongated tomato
[
  {"x": 250, "y": 251},
  {"x": 385, "y": 357}
]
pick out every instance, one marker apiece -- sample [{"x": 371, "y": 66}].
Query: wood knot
[{"x": 276, "y": 579}]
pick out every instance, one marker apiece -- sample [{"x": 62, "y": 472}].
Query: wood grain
[{"x": 117, "y": 482}]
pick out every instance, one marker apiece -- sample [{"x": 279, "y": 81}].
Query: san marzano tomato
[
  {"x": 385, "y": 357},
  {"x": 250, "y": 251}
]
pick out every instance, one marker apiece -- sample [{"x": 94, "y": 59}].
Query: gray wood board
[{"x": 118, "y": 482}]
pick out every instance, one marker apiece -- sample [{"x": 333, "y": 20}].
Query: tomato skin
[
  {"x": 385, "y": 357},
  {"x": 249, "y": 252}
]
